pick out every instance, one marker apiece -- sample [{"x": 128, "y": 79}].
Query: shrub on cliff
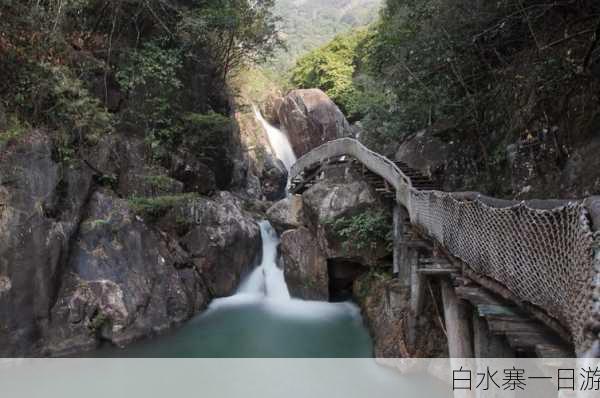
[{"x": 364, "y": 230}]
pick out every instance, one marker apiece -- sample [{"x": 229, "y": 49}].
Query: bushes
[
  {"x": 365, "y": 230},
  {"x": 154, "y": 208},
  {"x": 150, "y": 79},
  {"x": 15, "y": 128}
]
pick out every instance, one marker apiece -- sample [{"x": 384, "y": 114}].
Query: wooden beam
[{"x": 437, "y": 271}]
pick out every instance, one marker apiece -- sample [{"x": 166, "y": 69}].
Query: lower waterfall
[{"x": 268, "y": 279}]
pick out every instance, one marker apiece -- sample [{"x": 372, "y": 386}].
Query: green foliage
[
  {"x": 96, "y": 323},
  {"x": 150, "y": 76},
  {"x": 331, "y": 68},
  {"x": 233, "y": 31},
  {"x": 206, "y": 133},
  {"x": 79, "y": 114},
  {"x": 365, "y": 284},
  {"x": 109, "y": 181},
  {"x": 51, "y": 95},
  {"x": 477, "y": 73},
  {"x": 15, "y": 128},
  {"x": 365, "y": 230},
  {"x": 159, "y": 182},
  {"x": 80, "y": 68},
  {"x": 310, "y": 24},
  {"x": 91, "y": 225},
  {"x": 156, "y": 207}
]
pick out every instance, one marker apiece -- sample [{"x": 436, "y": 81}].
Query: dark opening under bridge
[{"x": 531, "y": 269}]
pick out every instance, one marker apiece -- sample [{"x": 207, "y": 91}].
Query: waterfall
[
  {"x": 267, "y": 280},
  {"x": 278, "y": 140}
]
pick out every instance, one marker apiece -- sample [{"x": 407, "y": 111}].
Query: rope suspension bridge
[{"x": 522, "y": 276}]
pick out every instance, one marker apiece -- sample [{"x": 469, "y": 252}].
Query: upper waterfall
[{"x": 278, "y": 140}]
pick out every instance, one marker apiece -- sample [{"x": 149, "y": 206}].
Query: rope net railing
[
  {"x": 543, "y": 252},
  {"x": 543, "y": 257}
]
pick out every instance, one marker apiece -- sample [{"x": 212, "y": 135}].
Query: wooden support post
[
  {"x": 485, "y": 343},
  {"x": 417, "y": 292},
  {"x": 401, "y": 265},
  {"x": 488, "y": 345},
  {"x": 457, "y": 316}
]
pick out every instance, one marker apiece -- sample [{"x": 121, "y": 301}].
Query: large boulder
[
  {"x": 223, "y": 242},
  {"x": 305, "y": 267},
  {"x": 326, "y": 202},
  {"x": 77, "y": 266},
  {"x": 195, "y": 175},
  {"x": 311, "y": 119},
  {"x": 125, "y": 281},
  {"x": 449, "y": 163},
  {"x": 286, "y": 214},
  {"x": 270, "y": 108},
  {"x": 273, "y": 178},
  {"x": 426, "y": 153}
]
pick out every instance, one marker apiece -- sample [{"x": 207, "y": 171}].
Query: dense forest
[
  {"x": 484, "y": 74},
  {"x": 86, "y": 68}
]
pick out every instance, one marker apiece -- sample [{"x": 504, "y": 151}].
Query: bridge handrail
[
  {"x": 544, "y": 252},
  {"x": 374, "y": 161}
]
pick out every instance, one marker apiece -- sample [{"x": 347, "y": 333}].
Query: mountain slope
[{"x": 308, "y": 24}]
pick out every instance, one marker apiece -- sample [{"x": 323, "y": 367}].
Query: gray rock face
[
  {"x": 325, "y": 202},
  {"x": 3, "y": 121},
  {"x": 305, "y": 267},
  {"x": 425, "y": 153},
  {"x": 311, "y": 119},
  {"x": 136, "y": 178},
  {"x": 223, "y": 244},
  {"x": 40, "y": 208},
  {"x": 125, "y": 282},
  {"x": 270, "y": 108},
  {"x": 286, "y": 214},
  {"x": 77, "y": 266},
  {"x": 195, "y": 175},
  {"x": 581, "y": 175},
  {"x": 273, "y": 178}
]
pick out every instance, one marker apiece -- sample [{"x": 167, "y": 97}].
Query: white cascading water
[
  {"x": 267, "y": 280},
  {"x": 278, "y": 140},
  {"x": 266, "y": 284}
]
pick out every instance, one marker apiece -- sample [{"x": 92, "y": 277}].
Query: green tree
[
  {"x": 232, "y": 31},
  {"x": 331, "y": 68}
]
